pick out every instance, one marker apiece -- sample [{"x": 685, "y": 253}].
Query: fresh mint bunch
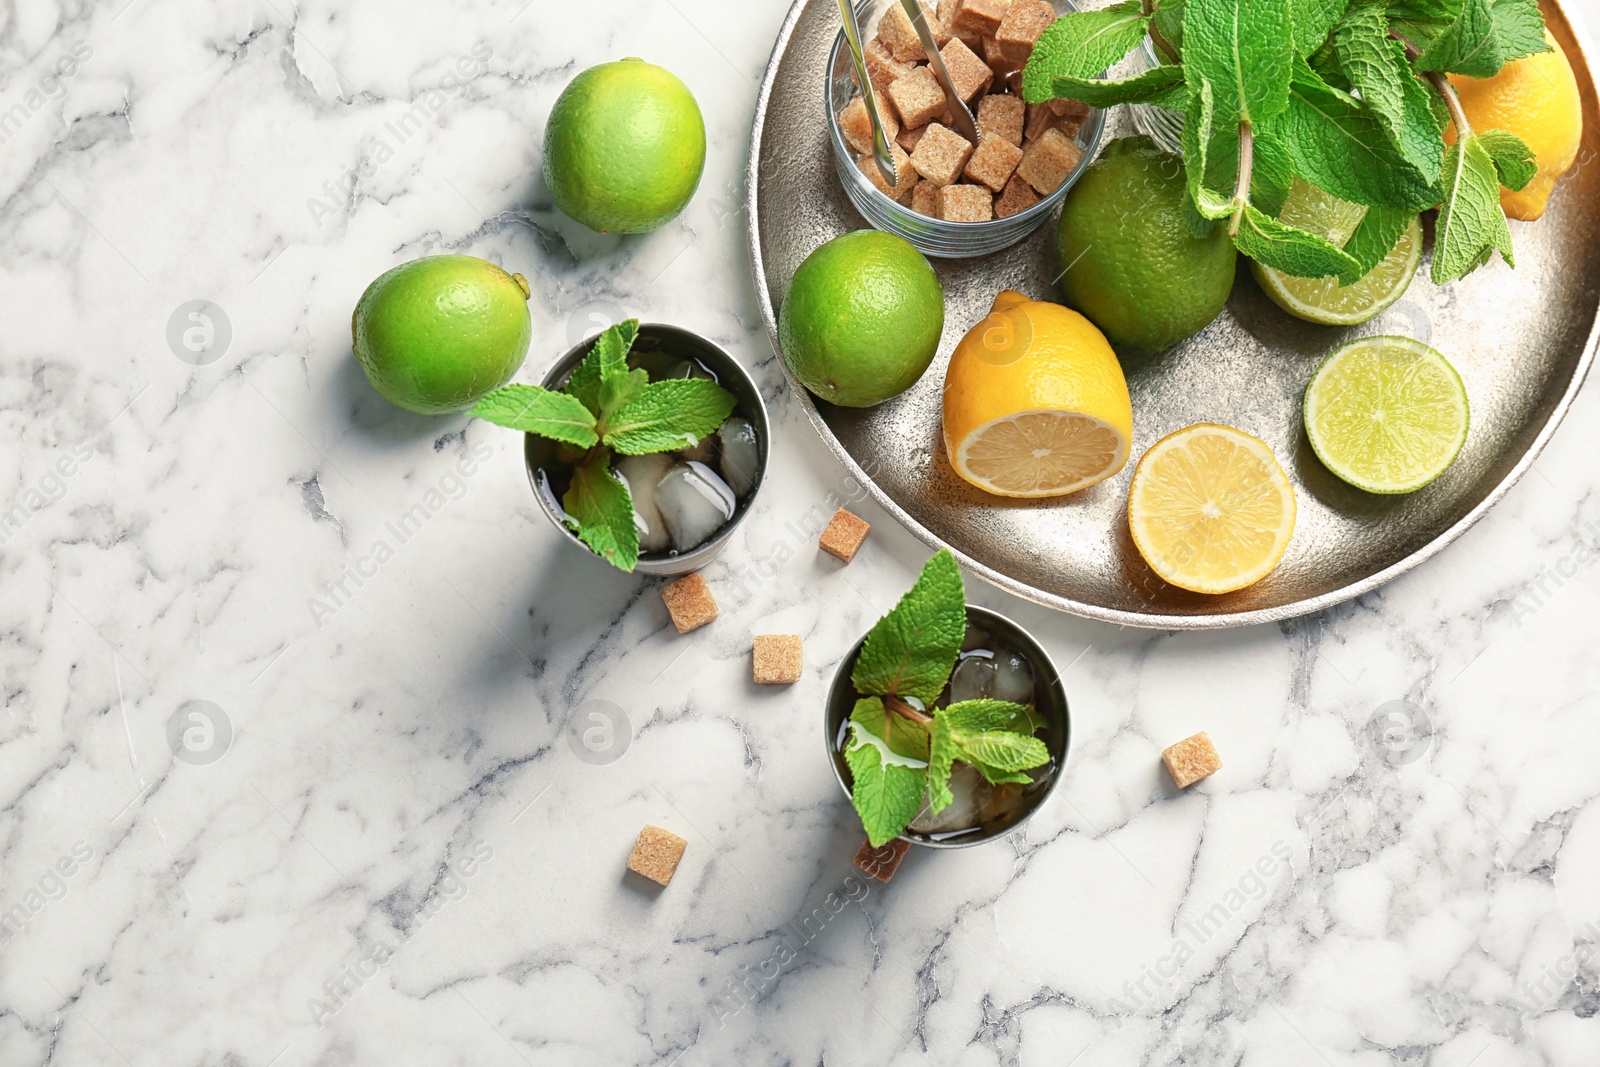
[
  {"x": 1348, "y": 95},
  {"x": 606, "y": 409},
  {"x": 900, "y": 754}
]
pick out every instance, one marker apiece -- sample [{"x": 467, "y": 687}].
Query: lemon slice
[
  {"x": 1041, "y": 453},
  {"x": 1386, "y": 414},
  {"x": 1324, "y": 300},
  {"x": 1210, "y": 509},
  {"x": 1035, "y": 403}
]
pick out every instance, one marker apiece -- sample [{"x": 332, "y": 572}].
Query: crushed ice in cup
[
  {"x": 982, "y": 673},
  {"x": 642, "y": 474}
]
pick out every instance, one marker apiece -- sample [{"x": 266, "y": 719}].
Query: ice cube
[
  {"x": 695, "y": 504},
  {"x": 643, "y": 474},
  {"x": 741, "y": 455},
  {"x": 971, "y": 794},
  {"x": 1013, "y": 678}
]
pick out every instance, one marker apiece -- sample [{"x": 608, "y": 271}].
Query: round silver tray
[{"x": 1522, "y": 339}]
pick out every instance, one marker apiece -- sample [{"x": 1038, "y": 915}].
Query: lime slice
[
  {"x": 1386, "y": 414},
  {"x": 1324, "y": 300}
]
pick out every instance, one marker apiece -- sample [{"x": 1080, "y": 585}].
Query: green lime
[
  {"x": 1324, "y": 300},
  {"x": 1131, "y": 258},
  {"x": 1386, "y": 414},
  {"x": 862, "y": 319},
  {"x": 624, "y": 147},
  {"x": 436, "y": 334}
]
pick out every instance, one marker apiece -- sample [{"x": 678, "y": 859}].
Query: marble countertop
[{"x": 268, "y": 799}]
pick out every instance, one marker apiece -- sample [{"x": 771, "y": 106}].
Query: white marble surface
[{"x": 398, "y": 810}]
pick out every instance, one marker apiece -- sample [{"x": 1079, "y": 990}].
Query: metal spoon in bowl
[{"x": 880, "y": 141}]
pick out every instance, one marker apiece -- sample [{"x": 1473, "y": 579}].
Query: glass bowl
[
  {"x": 935, "y": 237},
  {"x": 1161, "y": 125}
]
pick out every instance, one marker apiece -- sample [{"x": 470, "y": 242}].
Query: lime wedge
[
  {"x": 1386, "y": 414},
  {"x": 1324, "y": 300}
]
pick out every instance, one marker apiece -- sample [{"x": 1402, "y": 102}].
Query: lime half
[
  {"x": 1386, "y": 414},
  {"x": 1324, "y": 300}
]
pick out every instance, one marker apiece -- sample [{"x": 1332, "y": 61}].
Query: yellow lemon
[
  {"x": 1210, "y": 509},
  {"x": 1536, "y": 98},
  {"x": 1035, "y": 403}
]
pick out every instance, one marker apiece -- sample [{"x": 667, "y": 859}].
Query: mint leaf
[
  {"x": 886, "y": 790},
  {"x": 1373, "y": 239},
  {"x": 1291, "y": 250},
  {"x": 1082, "y": 44},
  {"x": 1513, "y": 159},
  {"x": 1484, "y": 37},
  {"x": 675, "y": 413},
  {"x": 1159, "y": 86},
  {"x": 1002, "y": 750},
  {"x": 1198, "y": 137},
  {"x": 1312, "y": 19},
  {"x": 911, "y": 650},
  {"x": 1166, "y": 28},
  {"x": 608, "y": 356},
  {"x": 1471, "y": 226},
  {"x": 1243, "y": 48},
  {"x": 534, "y": 409},
  {"x": 957, "y": 728},
  {"x": 903, "y": 736},
  {"x": 1272, "y": 174},
  {"x": 1375, "y": 64},
  {"x": 618, "y": 388},
  {"x": 600, "y": 512},
  {"x": 1343, "y": 147}
]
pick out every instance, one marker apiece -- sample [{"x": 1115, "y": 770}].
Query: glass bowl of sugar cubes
[{"x": 954, "y": 198}]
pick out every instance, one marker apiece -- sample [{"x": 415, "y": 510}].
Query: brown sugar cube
[
  {"x": 918, "y": 97},
  {"x": 941, "y": 154},
  {"x": 910, "y": 138},
  {"x": 656, "y": 854},
  {"x": 1192, "y": 759},
  {"x": 689, "y": 602},
  {"x": 1048, "y": 161},
  {"x": 843, "y": 537},
  {"x": 1020, "y": 30},
  {"x": 1017, "y": 198},
  {"x": 881, "y": 863},
  {"x": 900, "y": 193},
  {"x": 776, "y": 658},
  {"x": 856, "y": 124},
  {"x": 899, "y": 33},
  {"x": 1069, "y": 109},
  {"x": 1040, "y": 119},
  {"x": 1001, "y": 116},
  {"x": 992, "y": 55},
  {"x": 925, "y": 199},
  {"x": 883, "y": 69},
  {"x": 969, "y": 74},
  {"x": 994, "y": 162},
  {"x": 966, "y": 203},
  {"x": 980, "y": 17}
]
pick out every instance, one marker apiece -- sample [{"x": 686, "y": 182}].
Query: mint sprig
[
  {"x": 898, "y": 751},
  {"x": 607, "y": 409},
  {"x": 1347, "y": 95}
]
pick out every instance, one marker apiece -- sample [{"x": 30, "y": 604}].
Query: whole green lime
[
  {"x": 624, "y": 148},
  {"x": 862, "y": 319},
  {"x": 1132, "y": 259},
  {"x": 436, "y": 334}
]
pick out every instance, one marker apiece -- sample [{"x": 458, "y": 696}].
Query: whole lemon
[
  {"x": 624, "y": 148},
  {"x": 862, "y": 319},
  {"x": 1536, "y": 98},
  {"x": 1131, "y": 260},
  {"x": 436, "y": 334}
]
